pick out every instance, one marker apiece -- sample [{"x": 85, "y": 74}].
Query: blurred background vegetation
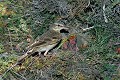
[{"x": 23, "y": 20}]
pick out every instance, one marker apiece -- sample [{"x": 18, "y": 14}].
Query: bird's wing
[{"x": 49, "y": 38}]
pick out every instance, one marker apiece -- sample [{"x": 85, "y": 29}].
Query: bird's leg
[
  {"x": 46, "y": 52},
  {"x": 39, "y": 54},
  {"x": 54, "y": 53}
]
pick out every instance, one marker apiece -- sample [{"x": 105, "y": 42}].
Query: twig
[
  {"x": 9, "y": 69},
  {"x": 106, "y": 20},
  {"x": 10, "y": 40},
  {"x": 23, "y": 78},
  {"x": 85, "y": 29},
  {"x": 117, "y": 44},
  {"x": 18, "y": 62},
  {"x": 88, "y": 4}
]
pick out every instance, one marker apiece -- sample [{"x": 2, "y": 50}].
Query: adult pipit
[{"x": 45, "y": 42}]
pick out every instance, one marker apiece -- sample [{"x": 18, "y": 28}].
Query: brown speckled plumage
[{"x": 45, "y": 42}]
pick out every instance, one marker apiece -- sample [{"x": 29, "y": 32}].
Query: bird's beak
[{"x": 64, "y": 30}]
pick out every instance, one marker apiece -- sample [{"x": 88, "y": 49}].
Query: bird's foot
[{"x": 41, "y": 56}]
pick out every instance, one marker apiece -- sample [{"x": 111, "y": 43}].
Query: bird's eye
[{"x": 58, "y": 25}]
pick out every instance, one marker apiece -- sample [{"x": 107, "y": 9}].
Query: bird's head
[{"x": 58, "y": 27}]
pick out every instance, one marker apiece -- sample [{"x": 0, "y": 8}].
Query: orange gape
[
  {"x": 72, "y": 39},
  {"x": 71, "y": 44}
]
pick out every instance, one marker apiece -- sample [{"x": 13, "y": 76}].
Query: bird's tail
[{"x": 22, "y": 58}]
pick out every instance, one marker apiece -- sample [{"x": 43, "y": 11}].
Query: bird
[
  {"x": 43, "y": 43},
  {"x": 46, "y": 41}
]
